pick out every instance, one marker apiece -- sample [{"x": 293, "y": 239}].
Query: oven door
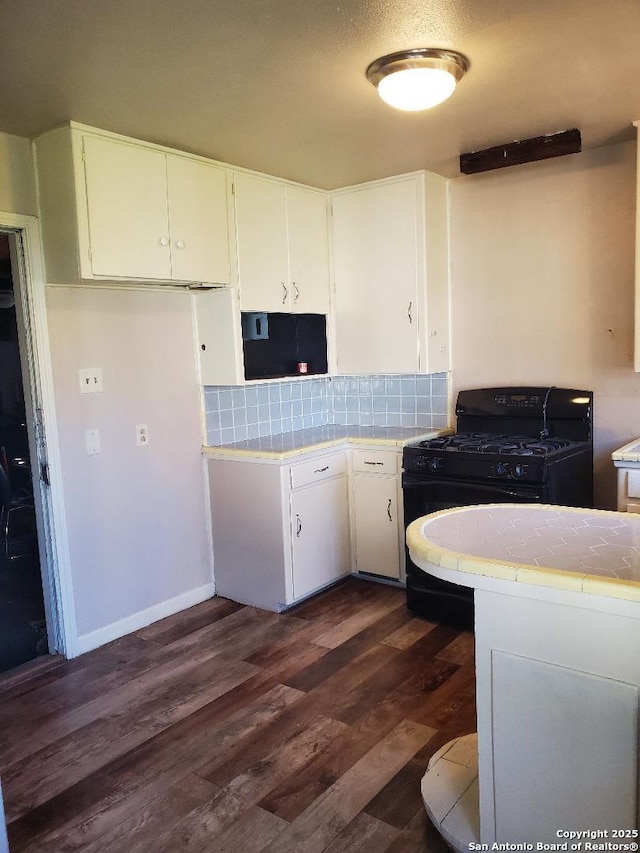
[
  {"x": 424, "y": 495},
  {"x": 427, "y": 595}
]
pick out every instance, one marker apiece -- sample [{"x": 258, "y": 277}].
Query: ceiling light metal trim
[
  {"x": 455, "y": 63},
  {"x": 430, "y": 58}
]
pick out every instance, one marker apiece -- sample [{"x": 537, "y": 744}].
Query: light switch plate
[
  {"x": 90, "y": 380},
  {"x": 92, "y": 441}
]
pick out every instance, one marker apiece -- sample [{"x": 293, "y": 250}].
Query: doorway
[{"x": 23, "y": 631}]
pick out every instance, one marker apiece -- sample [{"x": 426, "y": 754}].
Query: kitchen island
[{"x": 557, "y": 625}]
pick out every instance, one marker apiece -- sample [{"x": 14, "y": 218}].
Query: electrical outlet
[
  {"x": 92, "y": 441},
  {"x": 90, "y": 380},
  {"x": 142, "y": 435}
]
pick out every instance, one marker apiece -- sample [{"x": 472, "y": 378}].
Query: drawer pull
[
  {"x": 389, "y": 510},
  {"x": 409, "y": 312},
  {"x": 285, "y": 292},
  {"x": 296, "y": 292},
  {"x": 298, "y": 526},
  {"x": 366, "y": 462},
  {"x": 320, "y": 470}
]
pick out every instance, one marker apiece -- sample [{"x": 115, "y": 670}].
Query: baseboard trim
[{"x": 87, "y": 642}]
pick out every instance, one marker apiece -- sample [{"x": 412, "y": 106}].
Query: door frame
[{"x": 55, "y": 565}]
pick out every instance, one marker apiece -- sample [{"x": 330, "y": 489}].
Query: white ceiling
[{"x": 279, "y": 85}]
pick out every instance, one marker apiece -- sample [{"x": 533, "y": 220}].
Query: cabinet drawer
[
  {"x": 633, "y": 484},
  {"x": 317, "y": 469},
  {"x": 375, "y": 461}
]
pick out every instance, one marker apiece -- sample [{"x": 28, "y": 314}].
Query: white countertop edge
[
  {"x": 428, "y": 555},
  {"x": 629, "y": 453},
  {"x": 226, "y": 452},
  {"x": 554, "y": 595}
]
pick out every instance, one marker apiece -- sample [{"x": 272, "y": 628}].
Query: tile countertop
[
  {"x": 629, "y": 453},
  {"x": 583, "y": 550},
  {"x": 289, "y": 444}
]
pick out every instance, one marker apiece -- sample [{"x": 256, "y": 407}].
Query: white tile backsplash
[{"x": 234, "y": 414}]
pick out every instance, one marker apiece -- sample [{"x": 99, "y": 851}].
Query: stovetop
[{"x": 500, "y": 444}]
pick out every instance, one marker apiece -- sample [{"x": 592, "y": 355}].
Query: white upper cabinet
[
  {"x": 391, "y": 272},
  {"x": 308, "y": 250},
  {"x": 199, "y": 221},
  {"x": 261, "y": 233},
  {"x": 117, "y": 209},
  {"x": 282, "y": 241},
  {"x": 127, "y": 210}
]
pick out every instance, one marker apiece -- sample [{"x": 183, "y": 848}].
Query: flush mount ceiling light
[{"x": 417, "y": 79}]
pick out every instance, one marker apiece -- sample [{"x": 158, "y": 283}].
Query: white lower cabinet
[
  {"x": 375, "y": 513},
  {"x": 319, "y": 535},
  {"x": 280, "y": 531},
  {"x": 377, "y": 517}
]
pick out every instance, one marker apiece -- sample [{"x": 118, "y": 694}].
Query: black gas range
[{"x": 512, "y": 445}]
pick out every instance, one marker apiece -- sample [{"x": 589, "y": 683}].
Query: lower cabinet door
[
  {"x": 319, "y": 535},
  {"x": 375, "y": 504}
]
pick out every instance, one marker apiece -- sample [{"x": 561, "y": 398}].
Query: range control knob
[
  {"x": 518, "y": 471},
  {"x": 435, "y": 463},
  {"x": 501, "y": 469}
]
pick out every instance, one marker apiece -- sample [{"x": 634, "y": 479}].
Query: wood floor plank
[
  {"x": 409, "y": 634},
  {"x": 149, "y": 812},
  {"x": 356, "y": 623},
  {"x": 348, "y": 651},
  {"x": 250, "y": 833},
  {"x": 43, "y": 774},
  {"x": 419, "y": 837},
  {"x": 327, "y": 816},
  {"x": 229, "y": 728},
  {"x": 460, "y": 650},
  {"x": 249, "y": 787},
  {"x": 365, "y": 834},
  {"x": 400, "y": 799},
  {"x": 180, "y": 624},
  {"x": 300, "y": 790},
  {"x": 163, "y": 758}
]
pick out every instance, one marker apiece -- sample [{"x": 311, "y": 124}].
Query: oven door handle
[{"x": 501, "y": 491}]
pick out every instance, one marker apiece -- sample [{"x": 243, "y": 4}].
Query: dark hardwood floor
[{"x": 227, "y": 728}]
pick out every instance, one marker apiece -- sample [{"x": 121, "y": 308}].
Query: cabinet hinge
[
  {"x": 84, "y": 159},
  {"x": 233, "y": 187},
  {"x": 290, "y": 478},
  {"x": 89, "y": 254}
]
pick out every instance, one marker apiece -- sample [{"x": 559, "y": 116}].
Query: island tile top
[{"x": 580, "y": 549}]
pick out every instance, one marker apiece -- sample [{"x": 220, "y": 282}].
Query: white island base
[{"x": 557, "y": 629}]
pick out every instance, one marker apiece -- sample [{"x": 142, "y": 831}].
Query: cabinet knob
[
  {"x": 180, "y": 244},
  {"x": 164, "y": 241}
]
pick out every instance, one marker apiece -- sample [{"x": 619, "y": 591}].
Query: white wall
[
  {"x": 17, "y": 186},
  {"x": 136, "y": 515},
  {"x": 542, "y": 278}
]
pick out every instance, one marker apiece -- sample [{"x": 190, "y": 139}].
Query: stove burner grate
[{"x": 508, "y": 445}]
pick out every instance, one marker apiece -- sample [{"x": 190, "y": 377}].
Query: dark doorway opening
[{"x": 23, "y": 634}]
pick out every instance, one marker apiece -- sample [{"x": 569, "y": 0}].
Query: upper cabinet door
[
  {"x": 199, "y": 220},
  {"x": 127, "y": 207},
  {"x": 376, "y": 278},
  {"x": 261, "y": 230},
  {"x": 308, "y": 251}
]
